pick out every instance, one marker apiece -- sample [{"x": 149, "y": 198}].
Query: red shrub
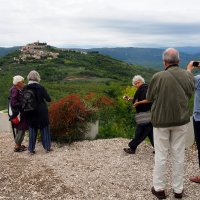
[{"x": 70, "y": 115}]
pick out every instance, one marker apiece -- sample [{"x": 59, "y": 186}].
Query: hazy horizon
[{"x": 91, "y": 46}]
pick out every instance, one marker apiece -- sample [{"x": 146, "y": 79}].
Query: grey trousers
[{"x": 19, "y": 137}]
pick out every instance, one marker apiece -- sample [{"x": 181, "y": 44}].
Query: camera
[
  {"x": 125, "y": 97},
  {"x": 196, "y": 64}
]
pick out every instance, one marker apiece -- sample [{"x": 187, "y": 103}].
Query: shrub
[
  {"x": 69, "y": 117},
  {"x": 119, "y": 121}
]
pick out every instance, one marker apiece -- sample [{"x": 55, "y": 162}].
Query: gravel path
[{"x": 87, "y": 170}]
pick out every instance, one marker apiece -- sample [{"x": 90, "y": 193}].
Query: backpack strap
[{"x": 177, "y": 81}]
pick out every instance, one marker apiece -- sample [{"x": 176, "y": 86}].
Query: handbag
[
  {"x": 13, "y": 114},
  {"x": 143, "y": 117},
  {"x": 12, "y": 111},
  {"x": 16, "y": 120}
]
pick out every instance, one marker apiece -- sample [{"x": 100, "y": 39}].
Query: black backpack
[{"x": 29, "y": 100}]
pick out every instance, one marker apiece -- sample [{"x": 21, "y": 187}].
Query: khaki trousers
[
  {"x": 19, "y": 137},
  {"x": 169, "y": 140}
]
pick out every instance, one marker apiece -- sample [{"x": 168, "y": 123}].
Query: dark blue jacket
[{"x": 39, "y": 117}]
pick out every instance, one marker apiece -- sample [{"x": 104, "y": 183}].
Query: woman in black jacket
[
  {"x": 145, "y": 129},
  {"x": 38, "y": 118}
]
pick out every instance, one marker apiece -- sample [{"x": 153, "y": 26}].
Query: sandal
[
  {"x": 195, "y": 179},
  {"x": 18, "y": 149},
  {"x": 23, "y": 148}
]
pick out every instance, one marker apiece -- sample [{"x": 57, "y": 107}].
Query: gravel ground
[{"x": 97, "y": 170}]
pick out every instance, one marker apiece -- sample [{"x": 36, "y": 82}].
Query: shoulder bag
[{"x": 143, "y": 117}]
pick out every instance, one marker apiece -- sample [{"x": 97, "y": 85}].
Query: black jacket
[
  {"x": 139, "y": 96},
  {"x": 39, "y": 117}
]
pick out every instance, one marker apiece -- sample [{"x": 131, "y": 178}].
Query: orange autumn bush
[{"x": 69, "y": 116}]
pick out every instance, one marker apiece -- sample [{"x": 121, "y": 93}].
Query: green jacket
[{"x": 170, "y": 91}]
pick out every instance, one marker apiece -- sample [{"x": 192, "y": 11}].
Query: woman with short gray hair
[
  {"x": 33, "y": 76},
  {"x": 137, "y": 78},
  {"x": 38, "y": 118},
  {"x": 144, "y": 128}
]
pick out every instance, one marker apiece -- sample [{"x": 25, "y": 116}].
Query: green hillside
[
  {"x": 65, "y": 72},
  {"x": 148, "y": 57},
  {"x": 68, "y": 71}
]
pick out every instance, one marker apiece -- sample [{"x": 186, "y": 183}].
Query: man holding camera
[
  {"x": 196, "y": 113},
  {"x": 170, "y": 91}
]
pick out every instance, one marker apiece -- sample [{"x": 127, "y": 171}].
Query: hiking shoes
[
  {"x": 129, "y": 150},
  {"x": 178, "y": 195},
  {"x": 159, "y": 194}
]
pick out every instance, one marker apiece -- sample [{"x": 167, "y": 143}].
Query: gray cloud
[
  {"x": 144, "y": 27},
  {"x": 100, "y": 23}
]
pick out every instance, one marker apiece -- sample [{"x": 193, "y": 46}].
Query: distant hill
[
  {"x": 65, "y": 71},
  {"x": 148, "y": 57},
  {"x": 4, "y": 51},
  {"x": 189, "y": 50},
  {"x": 67, "y": 62}
]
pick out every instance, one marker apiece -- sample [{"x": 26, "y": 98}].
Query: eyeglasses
[{"x": 136, "y": 83}]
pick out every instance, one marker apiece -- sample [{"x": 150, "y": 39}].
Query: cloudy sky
[{"x": 100, "y": 23}]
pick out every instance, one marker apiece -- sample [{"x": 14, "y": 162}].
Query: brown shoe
[
  {"x": 18, "y": 149},
  {"x": 23, "y": 148},
  {"x": 129, "y": 150},
  {"x": 159, "y": 194},
  {"x": 195, "y": 179},
  {"x": 178, "y": 195}
]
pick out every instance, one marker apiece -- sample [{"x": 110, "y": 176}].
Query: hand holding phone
[{"x": 196, "y": 64}]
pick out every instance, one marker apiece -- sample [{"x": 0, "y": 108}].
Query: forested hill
[
  {"x": 149, "y": 57},
  {"x": 5, "y": 51},
  {"x": 67, "y": 71}
]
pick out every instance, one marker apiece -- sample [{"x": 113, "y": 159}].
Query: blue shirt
[{"x": 196, "y": 111}]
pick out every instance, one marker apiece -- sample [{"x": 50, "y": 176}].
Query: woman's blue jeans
[{"x": 45, "y": 135}]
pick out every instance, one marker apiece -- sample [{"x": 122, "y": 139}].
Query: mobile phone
[
  {"x": 195, "y": 63},
  {"x": 125, "y": 97}
]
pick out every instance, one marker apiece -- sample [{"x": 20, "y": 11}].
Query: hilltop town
[{"x": 36, "y": 51}]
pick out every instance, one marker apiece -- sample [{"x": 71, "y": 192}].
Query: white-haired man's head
[
  {"x": 170, "y": 57},
  {"x": 138, "y": 80}
]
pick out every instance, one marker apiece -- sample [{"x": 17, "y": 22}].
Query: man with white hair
[
  {"x": 170, "y": 91},
  {"x": 145, "y": 129},
  {"x": 196, "y": 113}
]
